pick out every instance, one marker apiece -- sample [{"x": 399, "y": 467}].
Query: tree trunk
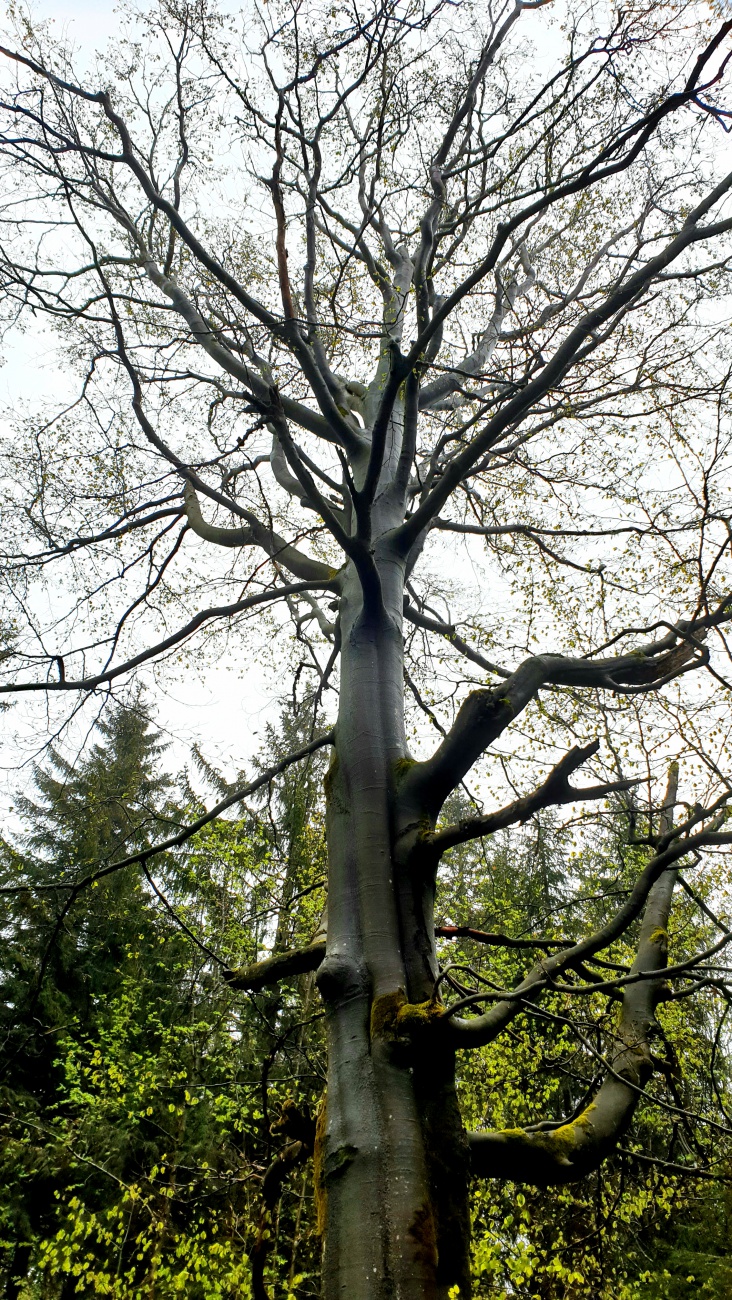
[{"x": 391, "y": 1163}]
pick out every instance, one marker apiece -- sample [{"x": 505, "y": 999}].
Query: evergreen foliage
[
  {"x": 154, "y": 1129},
  {"x": 136, "y": 1117}
]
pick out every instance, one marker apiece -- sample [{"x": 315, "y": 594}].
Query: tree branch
[
  {"x": 484, "y": 1029},
  {"x": 256, "y": 534},
  {"x": 152, "y": 652},
  {"x": 555, "y": 790},
  {"x": 486, "y": 713},
  {"x": 498, "y": 940},
  {"x": 448, "y": 630},
  {"x": 282, "y": 965},
  {"x": 186, "y": 832},
  {"x": 557, "y": 367},
  {"x": 572, "y": 1150}
]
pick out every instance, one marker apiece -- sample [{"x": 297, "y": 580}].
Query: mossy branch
[
  {"x": 569, "y": 1151},
  {"x": 282, "y": 965}
]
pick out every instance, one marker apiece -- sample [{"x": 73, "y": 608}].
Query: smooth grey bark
[{"x": 393, "y": 1176}]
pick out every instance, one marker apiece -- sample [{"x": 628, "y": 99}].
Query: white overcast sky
[
  {"x": 89, "y": 22},
  {"x": 227, "y": 712}
]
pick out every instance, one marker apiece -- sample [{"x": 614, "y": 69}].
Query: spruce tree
[
  {"x": 59, "y": 957},
  {"x": 62, "y": 954}
]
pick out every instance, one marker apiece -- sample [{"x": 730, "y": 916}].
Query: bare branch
[
  {"x": 554, "y": 791},
  {"x": 160, "y": 648},
  {"x": 568, "y": 1152},
  {"x": 182, "y": 836}
]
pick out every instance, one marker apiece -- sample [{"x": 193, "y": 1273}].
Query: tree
[
  {"x": 342, "y": 287},
  {"x": 66, "y": 961},
  {"x": 57, "y": 959},
  {"x": 138, "y": 1088},
  {"x": 627, "y": 1228}
]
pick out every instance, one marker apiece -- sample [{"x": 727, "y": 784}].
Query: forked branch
[
  {"x": 256, "y": 534},
  {"x": 486, "y": 713},
  {"x": 554, "y": 791},
  {"x": 571, "y": 1150}
]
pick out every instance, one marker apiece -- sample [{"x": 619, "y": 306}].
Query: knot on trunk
[{"x": 340, "y": 978}]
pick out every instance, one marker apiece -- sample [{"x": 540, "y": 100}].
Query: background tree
[
  {"x": 164, "y": 1143},
  {"x": 491, "y": 306},
  {"x": 141, "y": 1096},
  {"x": 626, "y": 1230}
]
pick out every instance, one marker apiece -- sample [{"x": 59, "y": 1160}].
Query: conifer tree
[
  {"x": 60, "y": 955},
  {"x": 145, "y": 1102}
]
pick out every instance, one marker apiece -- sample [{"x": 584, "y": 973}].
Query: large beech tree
[{"x": 368, "y": 304}]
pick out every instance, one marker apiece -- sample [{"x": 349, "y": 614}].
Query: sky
[
  {"x": 224, "y": 710},
  {"x": 226, "y": 714},
  {"x": 88, "y": 22},
  {"x": 228, "y": 711}
]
